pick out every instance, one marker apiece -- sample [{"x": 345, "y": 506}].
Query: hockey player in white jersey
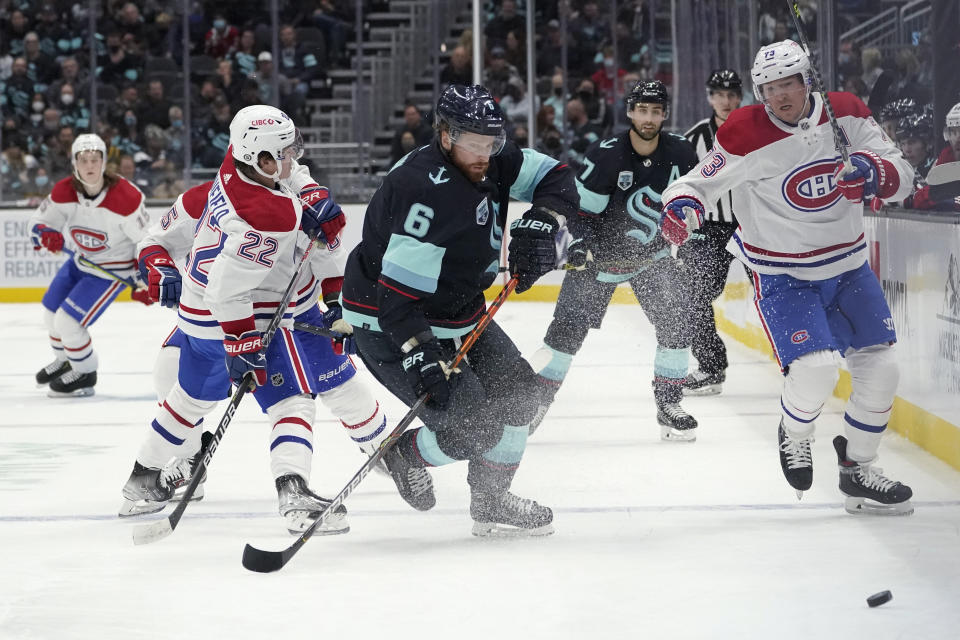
[
  {"x": 801, "y": 233},
  {"x": 102, "y": 216},
  {"x": 243, "y": 257}
]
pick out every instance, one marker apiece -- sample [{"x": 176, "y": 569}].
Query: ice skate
[
  {"x": 796, "y": 460},
  {"x": 52, "y": 371},
  {"x": 508, "y": 515},
  {"x": 702, "y": 383},
  {"x": 868, "y": 491},
  {"x": 192, "y": 463},
  {"x": 414, "y": 483},
  {"x": 676, "y": 425},
  {"x": 73, "y": 384},
  {"x": 300, "y": 507},
  {"x": 381, "y": 466},
  {"x": 149, "y": 490}
]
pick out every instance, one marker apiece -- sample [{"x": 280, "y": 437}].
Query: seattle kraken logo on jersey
[
  {"x": 643, "y": 206},
  {"x": 483, "y": 212},
  {"x": 625, "y": 180}
]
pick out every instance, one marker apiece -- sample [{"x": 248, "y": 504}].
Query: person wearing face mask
[
  {"x": 222, "y": 39},
  {"x": 608, "y": 76},
  {"x": 414, "y": 285},
  {"x": 102, "y": 216},
  {"x": 800, "y": 231},
  {"x": 72, "y": 112},
  {"x": 616, "y": 241},
  {"x": 597, "y": 111},
  {"x": 706, "y": 257},
  {"x": 39, "y": 185}
]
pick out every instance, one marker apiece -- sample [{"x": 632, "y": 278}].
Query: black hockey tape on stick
[
  {"x": 147, "y": 533},
  {"x": 83, "y": 260},
  {"x": 261, "y": 561},
  {"x": 319, "y": 331}
]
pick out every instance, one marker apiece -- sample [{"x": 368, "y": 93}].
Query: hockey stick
[
  {"x": 875, "y": 202},
  {"x": 82, "y": 259},
  {"x": 944, "y": 181},
  {"x": 315, "y": 330},
  {"x": 262, "y": 561},
  {"x": 147, "y": 533}
]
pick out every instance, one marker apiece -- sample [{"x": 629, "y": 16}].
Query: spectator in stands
[
  {"x": 608, "y": 76},
  {"x": 37, "y": 105},
  {"x": 38, "y": 183},
  {"x": 333, "y": 18},
  {"x": 15, "y": 167},
  {"x": 161, "y": 37},
  {"x": 12, "y": 37},
  {"x": 590, "y": 30},
  {"x": 557, "y": 99},
  {"x": 503, "y": 23},
  {"x": 596, "y": 107},
  {"x": 118, "y": 65},
  {"x": 222, "y": 39},
  {"x": 499, "y": 73},
  {"x": 18, "y": 90},
  {"x": 516, "y": 101},
  {"x": 156, "y": 108},
  {"x": 877, "y": 79},
  {"x": 175, "y": 137},
  {"x": 70, "y": 73},
  {"x": 170, "y": 185},
  {"x": 130, "y": 22},
  {"x": 300, "y": 67},
  {"x": 419, "y": 129},
  {"x": 203, "y": 105},
  {"x": 58, "y": 161},
  {"x": 72, "y": 112},
  {"x": 153, "y": 159},
  {"x": 582, "y": 131},
  {"x": 551, "y": 143},
  {"x": 127, "y": 100},
  {"x": 229, "y": 82},
  {"x": 516, "y": 52},
  {"x": 908, "y": 85},
  {"x": 550, "y": 51},
  {"x": 41, "y": 68},
  {"x": 50, "y": 125},
  {"x": 216, "y": 134},
  {"x": 245, "y": 57},
  {"x": 264, "y": 78},
  {"x": 127, "y": 135},
  {"x": 127, "y": 168},
  {"x": 459, "y": 69}
]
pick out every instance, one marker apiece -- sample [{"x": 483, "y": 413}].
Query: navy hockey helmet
[
  {"x": 899, "y": 109},
  {"x": 471, "y": 109},
  {"x": 648, "y": 91},
  {"x": 918, "y": 126},
  {"x": 725, "y": 79}
]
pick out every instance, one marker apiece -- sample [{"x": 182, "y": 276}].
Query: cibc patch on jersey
[{"x": 811, "y": 187}]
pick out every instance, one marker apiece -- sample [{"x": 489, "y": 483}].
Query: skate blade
[
  {"x": 86, "y": 392},
  {"x": 299, "y": 521},
  {"x": 709, "y": 390},
  {"x": 864, "y": 507},
  {"x": 537, "y": 419},
  {"x": 133, "y": 508},
  {"x": 197, "y": 495},
  {"x": 669, "y": 434},
  {"x": 799, "y": 494},
  {"x": 497, "y": 530}
]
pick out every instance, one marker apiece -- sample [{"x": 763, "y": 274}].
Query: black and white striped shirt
[{"x": 701, "y": 136}]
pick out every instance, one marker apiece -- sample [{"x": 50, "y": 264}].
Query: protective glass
[
  {"x": 295, "y": 150},
  {"x": 478, "y": 144}
]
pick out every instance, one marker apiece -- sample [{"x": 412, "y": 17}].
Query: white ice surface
[{"x": 653, "y": 540}]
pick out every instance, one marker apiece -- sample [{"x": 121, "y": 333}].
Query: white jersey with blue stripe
[{"x": 795, "y": 220}]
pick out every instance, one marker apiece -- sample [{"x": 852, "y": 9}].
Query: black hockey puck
[{"x": 878, "y": 599}]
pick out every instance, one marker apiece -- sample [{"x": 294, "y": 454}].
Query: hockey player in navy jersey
[
  {"x": 616, "y": 240},
  {"x": 706, "y": 258},
  {"x": 414, "y": 286},
  {"x": 801, "y": 233},
  {"x": 101, "y": 216},
  {"x": 243, "y": 257}
]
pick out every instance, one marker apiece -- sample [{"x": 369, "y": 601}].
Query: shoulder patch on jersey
[
  {"x": 123, "y": 198},
  {"x": 64, "y": 192},
  {"x": 748, "y": 129},
  {"x": 625, "y": 180},
  {"x": 194, "y": 200},
  {"x": 261, "y": 208}
]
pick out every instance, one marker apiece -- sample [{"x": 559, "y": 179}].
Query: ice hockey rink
[{"x": 653, "y": 539}]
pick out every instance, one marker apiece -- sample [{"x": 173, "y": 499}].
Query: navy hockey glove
[
  {"x": 427, "y": 373},
  {"x": 681, "y": 217},
  {"x": 533, "y": 247},
  {"x": 322, "y": 218},
  {"x": 44, "y": 237},
  {"x": 160, "y": 273},
  {"x": 333, "y": 319},
  {"x": 245, "y": 354}
]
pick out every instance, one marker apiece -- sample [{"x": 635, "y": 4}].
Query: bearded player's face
[{"x": 647, "y": 119}]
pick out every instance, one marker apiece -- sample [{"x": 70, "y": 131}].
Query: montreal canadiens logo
[
  {"x": 89, "y": 239},
  {"x": 812, "y": 186},
  {"x": 799, "y": 336}
]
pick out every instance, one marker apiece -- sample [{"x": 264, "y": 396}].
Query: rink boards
[{"x": 915, "y": 256}]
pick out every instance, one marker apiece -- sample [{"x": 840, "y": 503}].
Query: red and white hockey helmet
[
  {"x": 952, "y": 120},
  {"x": 779, "y": 60},
  {"x": 261, "y": 128}
]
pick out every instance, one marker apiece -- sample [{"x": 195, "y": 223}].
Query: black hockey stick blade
[{"x": 261, "y": 561}]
